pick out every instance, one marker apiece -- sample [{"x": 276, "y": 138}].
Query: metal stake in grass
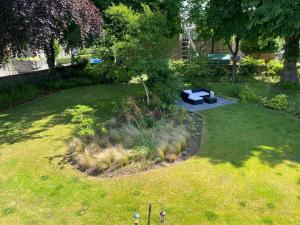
[
  {"x": 136, "y": 217},
  {"x": 162, "y": 216},
  {"x": 149, "y": 213}
]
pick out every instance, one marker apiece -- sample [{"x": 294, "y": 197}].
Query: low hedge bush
[
  {"x": 248, "y": 95},
  {"x": 279, "y": 102}
]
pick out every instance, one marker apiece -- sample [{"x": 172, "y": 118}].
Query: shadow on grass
[
  {"x": 31, "y": 120},
  {"x": 234, "y": 134}
]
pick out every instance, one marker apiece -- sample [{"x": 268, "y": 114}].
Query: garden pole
[{"x": 149, "y": 213}]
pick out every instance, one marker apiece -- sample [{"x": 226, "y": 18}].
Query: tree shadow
[
  {"x": 31, "y": 120},
  {"x": 14, "y": 129},
  {"x": 237, "y": 133}
]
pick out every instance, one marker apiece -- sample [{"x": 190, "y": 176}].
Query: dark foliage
[{"x": 37, "y": 23}]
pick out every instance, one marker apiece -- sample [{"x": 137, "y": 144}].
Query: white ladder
[{"x": 186, "y": 43}]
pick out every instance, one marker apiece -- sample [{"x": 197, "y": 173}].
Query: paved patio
[{"x": 195, "y": 108}]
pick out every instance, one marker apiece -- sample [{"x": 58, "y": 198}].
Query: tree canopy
[
  {"x": 37, "y": 23},
  {"x": 252, "y": 20},
  {"x": 273, "y": 18},
  {"x": 140, "y": 45},
  {"x": 225, "y": 20},
  {"x": 171, "y": 8}
]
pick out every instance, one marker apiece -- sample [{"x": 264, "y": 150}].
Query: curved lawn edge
[{"x": 228, "y": 182}]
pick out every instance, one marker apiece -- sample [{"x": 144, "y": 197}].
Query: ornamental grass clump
[{"x": 134, "y": 137}]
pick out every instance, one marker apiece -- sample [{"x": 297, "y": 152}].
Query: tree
[
  {"x": 260, "y": 45},
  {"x": 143, "y": 47},
  {"x": 171, "y": 9},
  {"x": 38, "y": 23},
  {"x": 227, "y": 20},
  {"x": 281, "y": 18}
]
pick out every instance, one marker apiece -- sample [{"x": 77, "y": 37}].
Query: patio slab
[{"x": 195, "y": 108}]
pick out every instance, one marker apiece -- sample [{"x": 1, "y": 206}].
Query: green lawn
[
  {"x": 248, "y": 171},
  {"x": 260, "y": 88}
]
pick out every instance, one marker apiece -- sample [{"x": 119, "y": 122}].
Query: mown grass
[
  {"x": 246, "y": 173},
  {"x": 261, "y": 89}
]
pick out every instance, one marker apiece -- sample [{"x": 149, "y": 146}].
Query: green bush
[
  {"x": 192, "y": 69},
  {"x": 110, "y": 70},
  {"x": 122, "y": 20},
  {"x": 249, "y": 66},
  {"x": 28, "y": 59},
  {"x": 80, "y": 63},
  {"x": 260, "y": 46},
  {"x": 219, "y": 73},
  {"x": 23, "y": 92},
  {"x": 279, "y": 102},
  {"x": 274, "y": 68},
  {"x": 86, "y": 51},
  {"x": 57, "y": 48},
  {"x": 63, "y": 60},
  {"x": 140, "y": 44},
  {"x": 248, "y": 60},
  {"x": 289, "y": 86},
  {"x": 97, "y": 74},
  {"x": 83, "y": 118},
  {"x": 164, "y": 84},
  {"x": 139, "y": 133},
  {"x": 248, "y": 95},
  {"x": 17, "y": 95}
]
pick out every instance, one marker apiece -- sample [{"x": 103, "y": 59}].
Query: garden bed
[{"x": 135, "y": 141}]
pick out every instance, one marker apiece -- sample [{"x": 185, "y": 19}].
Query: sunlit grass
[{"x": 247, "y": 172}]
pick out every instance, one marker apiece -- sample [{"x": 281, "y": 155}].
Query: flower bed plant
[{"x": 139, "y": 137}]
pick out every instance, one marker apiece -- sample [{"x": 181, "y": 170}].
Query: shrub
[
  {"x": 57, "y": 48},
  {"x": 165, "y": 85},
  {"x": 63, "y": 60},
  {"x": 80, "y": 63},
  {"x": 192, "y": 69},
  {"x": 127, "y": 144},
  {"x": 260, "y": 46},
  {"x": 274, "y": 68},
  {"x": 63, "y": 78},
  {"x": 110, "y": 70},
  {"x": 139, "y": 134},
  {"x": 122, "y": 20},
  {"x": 86, "y": 51},
  {"x": 279, "y": 102},
  {"x": 219, "y": 73},
  {"x": 140, "y": 48},
  {"x": 250, "y": 66},
  {"x": 248, "y": 95},
  {"x": 28, "y": 59},
  {"x": 289, "y": 86},
  {"x": 83, "y": 117},
  {"x": 19, "y": 94},
  {"x": 93, "y": 73},
  {"x": 248, "y": 60}
]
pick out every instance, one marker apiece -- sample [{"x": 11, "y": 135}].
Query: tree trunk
[
  {"x": 212, "y": 44},
  {"x": 234, "y": 53},
  {"x": 234, "y": 68},
  {"x": 291, "y": 54},
  {"x": 146, "y": 90},
  {"x": 50, "y": 54}
]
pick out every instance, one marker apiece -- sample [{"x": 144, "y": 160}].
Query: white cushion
[
  {"x": 188, "y": 91},
  {"x": 202, "y": 93},
  {"x": 195, "y": 97}
]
